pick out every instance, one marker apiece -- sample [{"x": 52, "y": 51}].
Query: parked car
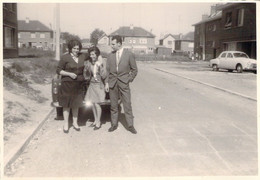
[
  {"x": 56, "y": 84},
  {"x": 233, "y": 60}
]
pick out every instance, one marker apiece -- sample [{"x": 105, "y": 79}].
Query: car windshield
[{"x": 238, "y": 55}]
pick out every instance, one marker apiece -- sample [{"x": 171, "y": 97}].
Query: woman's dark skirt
[{"x": 71, "y": 94}]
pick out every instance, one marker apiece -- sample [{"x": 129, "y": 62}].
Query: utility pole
[
  {"x": 53, "y": 29},
  {"x": 57, "y": 32}
]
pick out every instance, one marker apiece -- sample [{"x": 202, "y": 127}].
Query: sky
[{"x": 82, "y": 18}]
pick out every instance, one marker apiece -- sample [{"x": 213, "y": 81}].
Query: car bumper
[{"x": 86, "y": 105}]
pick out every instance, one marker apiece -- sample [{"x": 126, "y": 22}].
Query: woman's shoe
[
  {"x": 65, "y": 131},
  {"x": 92, "y": 125},
  {"x": 76, "y": 128},
  {"x": 97, "y": 127}
]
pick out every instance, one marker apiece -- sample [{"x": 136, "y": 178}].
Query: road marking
[
  {"x": 210, "y": 85},
  {"x": 212, "y": 147},
  {"x": 244, "y": 132},
  {"x": 159, "y": 142}
]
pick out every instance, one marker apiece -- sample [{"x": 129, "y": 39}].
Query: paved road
[{"x": 184, "y": 129}]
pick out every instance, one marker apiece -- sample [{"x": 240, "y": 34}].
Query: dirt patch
[{"x": 26, "y": 90}]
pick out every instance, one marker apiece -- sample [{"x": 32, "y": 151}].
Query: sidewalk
[
  {"x": 200, "y": 71},
  {"x": 21, "y": 136}
]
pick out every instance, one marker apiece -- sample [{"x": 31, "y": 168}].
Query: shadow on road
[{"x": 86, "y": 115}]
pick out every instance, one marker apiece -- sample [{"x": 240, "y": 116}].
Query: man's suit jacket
[{"x": 127, "y": 68}]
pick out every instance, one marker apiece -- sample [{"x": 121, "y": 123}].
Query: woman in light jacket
[{"x": 96, "y": 90}]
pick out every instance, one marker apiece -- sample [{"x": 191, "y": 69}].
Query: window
[
  {"x": 210, "y": 27},
  {"x": 190, "y": 45},
  {"x": 169, "y": 42},
  {"x": 134, "y": 41},
  {"x": 9, "y": 6},
  {"x": 213, "y": 44},
  {"x": 9, "y": 35},
  {"x": 228, "y": 22},
  {"x": 33, "y": 35},
  {"x": 214, "y": 27},
  {"x": 143, "y": 41},
  {"x": 130, "y": 41},
  {"x": 240, "y": 17},
  {"x": 42, "y": 35},
  {"x": 229, "y": 55},
  {"x": 223, "y": 55},
  {"x": 19, "y": 35}
]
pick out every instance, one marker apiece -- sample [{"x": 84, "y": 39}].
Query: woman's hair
[
  {"x": 95, "y": 50},
  {"x": 72, "y": 43}
]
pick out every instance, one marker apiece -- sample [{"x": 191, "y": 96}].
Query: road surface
[{"x": 184, "y": 129}]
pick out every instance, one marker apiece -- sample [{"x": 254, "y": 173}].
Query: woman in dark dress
[{"x": 71, "y": 97}]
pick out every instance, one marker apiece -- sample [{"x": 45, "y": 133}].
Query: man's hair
[{"x": 118, "y": 39}]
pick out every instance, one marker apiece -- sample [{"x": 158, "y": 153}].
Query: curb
[
  {"x": 209, "y": 85},
  {"x": 15, "y": 155}
]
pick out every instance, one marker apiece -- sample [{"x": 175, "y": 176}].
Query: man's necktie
[{"x": 117, "y": 60}]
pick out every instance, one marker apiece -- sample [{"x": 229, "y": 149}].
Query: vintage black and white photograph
[{"x": 129, "y": 89}]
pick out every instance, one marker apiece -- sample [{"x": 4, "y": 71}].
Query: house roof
[
  {"x": 188, "y": 37},
  {"x": 102, "y": 36},
  {"x": 174, "y": 36},
  {"x": 212, "y": 17},
  {"x": 126, "y": 31},
  {"x": 32, "y": 25}
]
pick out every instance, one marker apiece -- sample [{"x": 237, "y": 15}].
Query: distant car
[{"x": 233, "y": 60}]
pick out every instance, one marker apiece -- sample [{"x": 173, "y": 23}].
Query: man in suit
[{"x": 121, "y": 70}]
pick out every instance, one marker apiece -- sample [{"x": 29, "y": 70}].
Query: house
[
  {"x": 238, "y": 26},
  {"x": 10, "y": 38},
  {"x": 34, "y": 34},
  {"x": 103, "y": 40},
  {"x": 135, "y": 38},
  {"x": 169, "y": 41},
  {"x": 185, "y": 43},
  {"x": 230, "y": 26},
  {"x": 85, "y": 43},
  {"x": 206, "y": 37}
]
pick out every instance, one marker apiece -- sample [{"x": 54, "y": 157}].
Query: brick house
[
  {"x": 230, "y": 26},
  {"x": 10, "y": 38},
  {"x": 239, "y": 28},
  {"x": 136, "y": 38},
  {"x": 185, "y": 43},
  {"x": 168, "y": 41},
  {"x": 32, "y": 33}
]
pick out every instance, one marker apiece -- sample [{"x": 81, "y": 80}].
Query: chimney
[
  {"x": 131, "y": 26},
  {"x": 27, "y": 20},
  {"x": 204, "y": 16},
  {"x": 180, "y": 36},
  {"x": 213, "y": 9}
]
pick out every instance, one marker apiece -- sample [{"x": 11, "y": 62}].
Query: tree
[
  {"x": 67, "y": 37},
  {"x": 97, "y": 33}
]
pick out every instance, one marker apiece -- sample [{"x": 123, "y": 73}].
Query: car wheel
[
  {"x": 215, "y": 67},
  {"x": 239, "y": 68}
]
